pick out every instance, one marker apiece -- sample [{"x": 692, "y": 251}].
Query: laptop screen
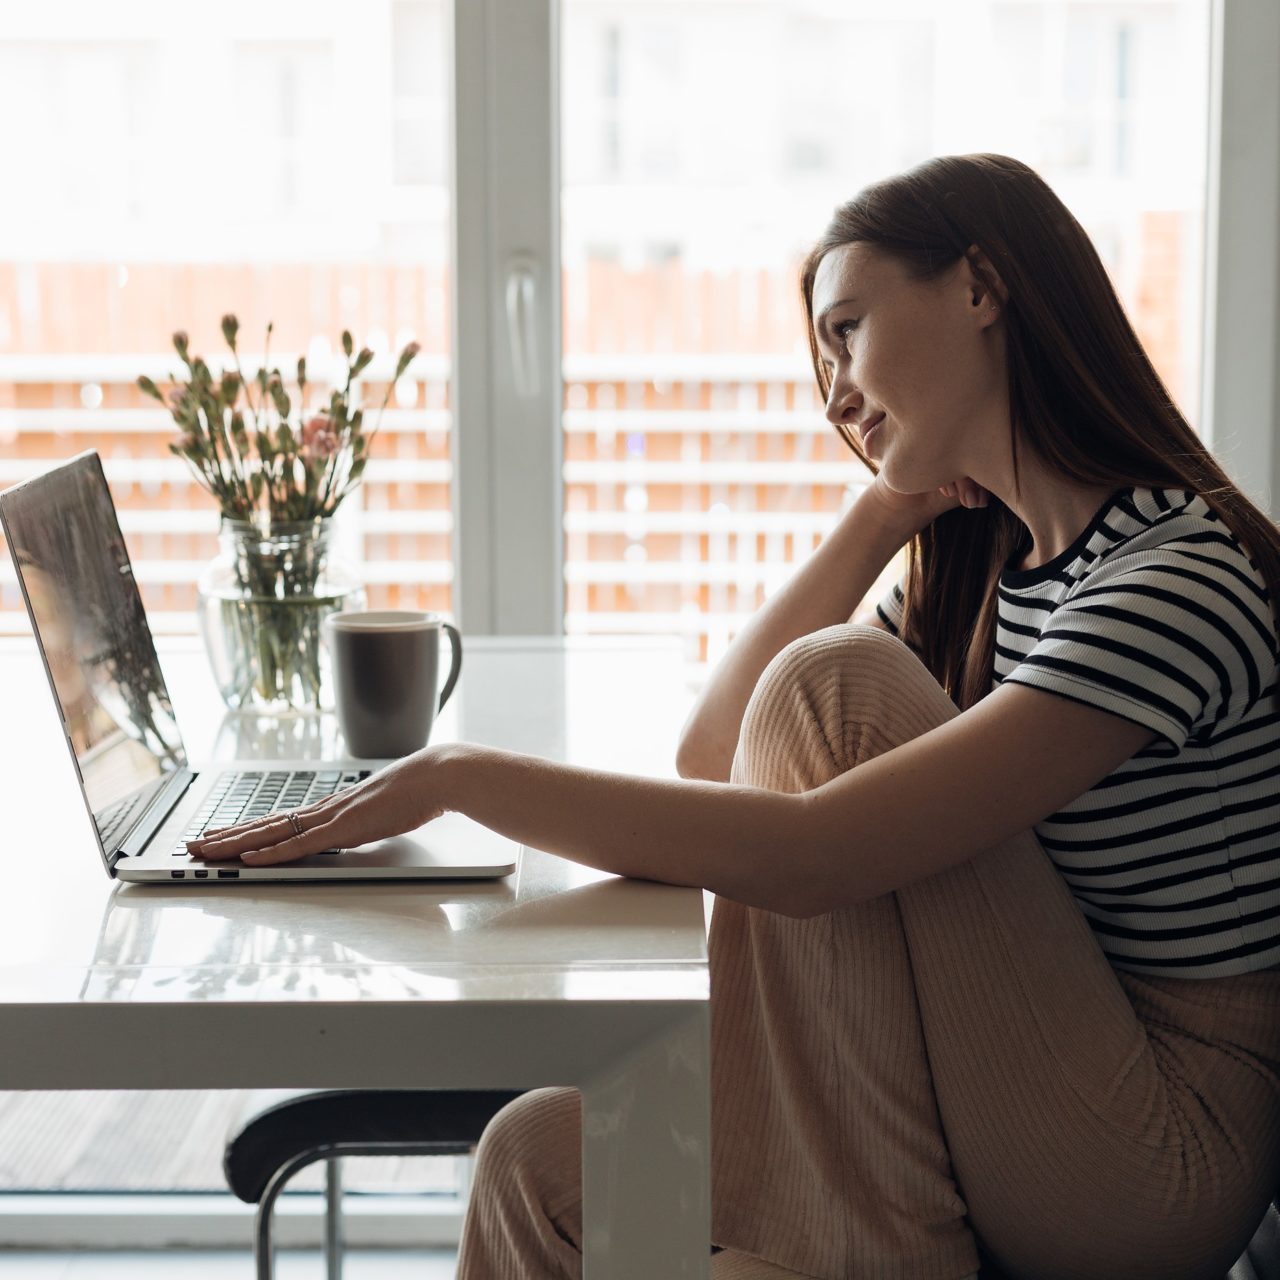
[{"x": 66, "y": 544}]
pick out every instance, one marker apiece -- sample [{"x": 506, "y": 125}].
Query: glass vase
[{"x": 261, "y": 603}]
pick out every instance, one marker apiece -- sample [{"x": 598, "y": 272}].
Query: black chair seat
[{"x": 284, "y": 1125}]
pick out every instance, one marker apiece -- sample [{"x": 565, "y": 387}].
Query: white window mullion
[
  {"x": 507, "y": 486},
  {"x": 1242, "y": 296}
]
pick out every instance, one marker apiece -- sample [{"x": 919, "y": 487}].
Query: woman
[{"x": 996, "y": 945}]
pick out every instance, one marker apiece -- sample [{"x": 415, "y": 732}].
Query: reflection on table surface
[{"x": 551, "y": 931}]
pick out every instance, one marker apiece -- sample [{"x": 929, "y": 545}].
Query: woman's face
[{"x": 920, "y": 357}]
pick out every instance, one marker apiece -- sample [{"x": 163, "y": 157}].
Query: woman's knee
[
  {"x": 826, "y": 655},
  {"x": 830, "y": 688},
  {"x": 524, "y": 1218},
  {"x": 539, "y": 1129},
  {"x": 833, "y": 644}
]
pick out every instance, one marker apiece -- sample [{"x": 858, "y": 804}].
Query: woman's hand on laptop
[{"x": 394, "y": 800}]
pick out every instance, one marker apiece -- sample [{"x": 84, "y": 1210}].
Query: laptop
[{"x": 144, "y": 798}]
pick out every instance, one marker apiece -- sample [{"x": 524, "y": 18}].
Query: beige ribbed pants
[{"x": 956, "y": 1057}]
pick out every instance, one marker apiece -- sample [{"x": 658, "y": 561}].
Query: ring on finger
[{"x": 296, "y": 823}]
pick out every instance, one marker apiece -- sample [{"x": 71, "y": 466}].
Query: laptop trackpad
[{"x": 453, "y": 843}]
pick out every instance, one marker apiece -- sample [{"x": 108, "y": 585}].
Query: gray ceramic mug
[{"x": 386, "y": 674}]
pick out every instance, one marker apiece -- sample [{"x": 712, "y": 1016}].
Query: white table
[{"x": 561, "y": 976}]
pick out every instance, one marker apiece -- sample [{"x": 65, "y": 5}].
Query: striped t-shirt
[{"x": 1156, "y": 614}]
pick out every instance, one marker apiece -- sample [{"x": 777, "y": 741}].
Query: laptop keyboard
[
  {"x": 113, "y": 822},
  {"x": 243, "y": 796}
]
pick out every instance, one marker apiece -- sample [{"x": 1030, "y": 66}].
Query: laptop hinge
[{"x": 157, "y": 812}]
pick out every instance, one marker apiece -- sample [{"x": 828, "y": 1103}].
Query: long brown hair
[{"x": 1074, "y": 362}]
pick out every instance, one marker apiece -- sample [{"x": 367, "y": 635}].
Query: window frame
[
  {"x": 506, "y": 382},
  {"x": 1240, "y": 414}
]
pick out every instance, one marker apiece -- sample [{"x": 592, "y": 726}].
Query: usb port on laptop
[{"x": 228, "y": 875}]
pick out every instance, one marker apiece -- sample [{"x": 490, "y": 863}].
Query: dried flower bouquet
[{"x": 278, "y": 472}]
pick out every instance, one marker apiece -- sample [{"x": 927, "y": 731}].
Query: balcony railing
[{"x": 693, "y": 486}]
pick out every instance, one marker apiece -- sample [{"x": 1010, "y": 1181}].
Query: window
[
  {"x": 698, "y": 467},
  {"x": 287, "y": 164},
  {"x": 246, "y": 159}
]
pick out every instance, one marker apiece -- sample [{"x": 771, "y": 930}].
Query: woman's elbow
[{"x": 695, "y": 761}]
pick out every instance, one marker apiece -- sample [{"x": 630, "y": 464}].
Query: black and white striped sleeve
[
  {"x": 889, "y": 610},
  {"x": 1176, "y": 638}
]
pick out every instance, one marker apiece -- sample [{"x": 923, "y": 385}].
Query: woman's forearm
[
  {"x": 730, "y": 839},
  {"x": 825, "y": 591}
]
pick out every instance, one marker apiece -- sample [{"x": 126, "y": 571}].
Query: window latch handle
[{"x": 521, "y": 331}]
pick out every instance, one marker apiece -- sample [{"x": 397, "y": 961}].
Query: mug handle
[{"x": 455, "y": 663}]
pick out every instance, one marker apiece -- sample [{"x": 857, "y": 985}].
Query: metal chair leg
[
  {"x": 333, "y": 1217},
  {"x": 331, "y": 1154},
  {"x": 263, "y": 1258},
  {"x": 263, "y": 1253}
]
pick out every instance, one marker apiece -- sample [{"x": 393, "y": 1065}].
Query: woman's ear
[{"x": 987, "y": 292}]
